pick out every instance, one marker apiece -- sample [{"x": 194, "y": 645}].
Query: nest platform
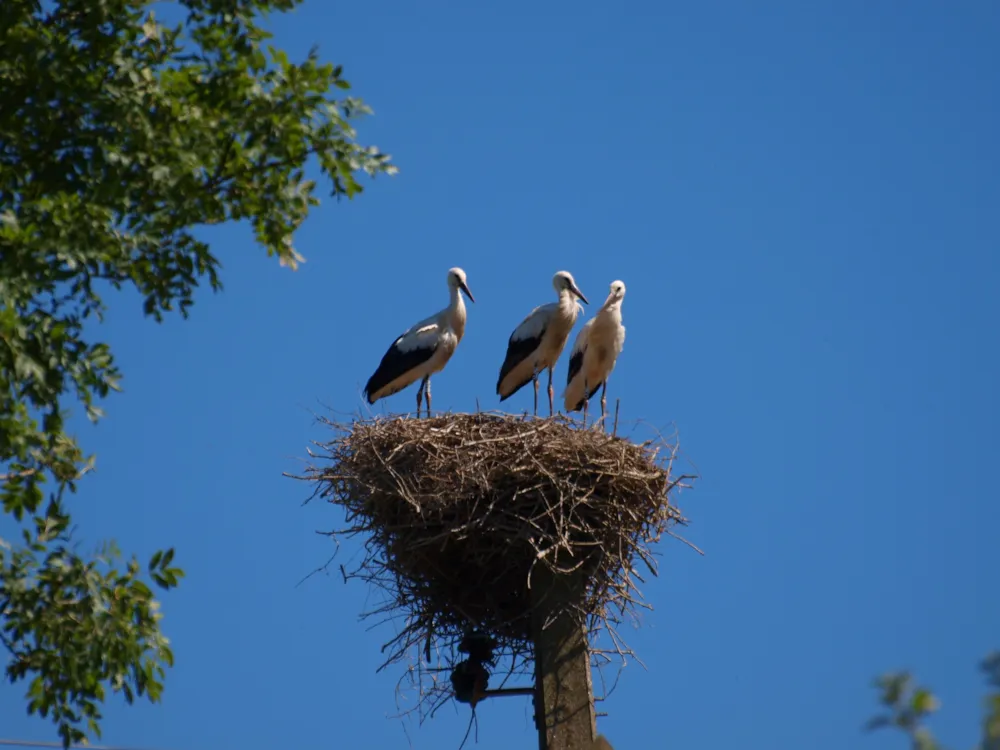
[{"x": 456, "y": 513}]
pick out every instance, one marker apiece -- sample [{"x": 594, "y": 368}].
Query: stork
[
  {"x": 539, "y": 339},
  {"x": 595, "y": 353},
  {"x": 423, "y": 349}
]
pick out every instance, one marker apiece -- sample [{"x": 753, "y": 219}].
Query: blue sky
[{"x": 802, "y": 199}]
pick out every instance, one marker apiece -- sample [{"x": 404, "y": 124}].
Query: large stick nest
[{"x": 457, "y": 512}]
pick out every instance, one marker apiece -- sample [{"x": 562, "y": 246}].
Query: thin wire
[{"x": 30, "y": 743}]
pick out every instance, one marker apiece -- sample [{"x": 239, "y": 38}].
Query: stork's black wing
[
  {"x": 398, "y": 361},
  {"x": 575, "y": 364},
  {"x": 517, "y": 351}
]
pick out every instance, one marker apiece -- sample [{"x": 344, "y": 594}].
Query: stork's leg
[
  {"x": 420, "y": 395},
  {"x": 428, "y": 394},
  {"x": 535, "y": 379},
  {"x": 551, "y": 410},
  {"x": 586, "y": 401},
  {"x": 604, "y": 402}
]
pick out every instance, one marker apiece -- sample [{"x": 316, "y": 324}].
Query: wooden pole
[{"x": 564, "y": 695}]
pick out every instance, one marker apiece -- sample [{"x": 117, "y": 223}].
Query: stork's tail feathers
[
  {"x": 576, "y": 396},
  {"x": 573, "y": 396},
  {"x": 512, "y": 387}
]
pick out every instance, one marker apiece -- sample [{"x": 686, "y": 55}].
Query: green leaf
[{"x": 923, "y": 702}]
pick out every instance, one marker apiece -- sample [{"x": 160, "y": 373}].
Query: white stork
[
  {"x": 424, "y": 349},
  {"x": 595, "y": 352},
  {"x": 539, "y": 339}
]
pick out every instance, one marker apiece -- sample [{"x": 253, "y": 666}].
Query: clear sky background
[{"x": 803, "y": 200}]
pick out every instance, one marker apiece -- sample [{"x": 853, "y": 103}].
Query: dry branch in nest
[{"x": 456, "y": 512}]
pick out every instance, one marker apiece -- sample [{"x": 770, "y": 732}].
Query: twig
[
  {"x": 472, "y": 719},
  {"x": 689, "y": 544},
  {"x": 18, "y": 474}
]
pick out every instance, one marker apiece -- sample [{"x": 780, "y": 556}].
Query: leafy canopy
[
  {"x": 908, "y": 706},
  {"x": 120, "y": 135}
]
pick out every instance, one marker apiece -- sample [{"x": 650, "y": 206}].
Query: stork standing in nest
[
  {"x": 595, "y": 353},
  {"x": 539, "y": 339},
  {"x": 423, "y": 349}
]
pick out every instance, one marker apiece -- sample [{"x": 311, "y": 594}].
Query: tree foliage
[
  {"x": 908, "y": 706},
  {"x": 120, "y": 135}
]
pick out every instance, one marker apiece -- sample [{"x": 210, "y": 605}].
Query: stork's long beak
[
  {"x": 576, "y": 290},
  {"x": 465, "y": 289}
]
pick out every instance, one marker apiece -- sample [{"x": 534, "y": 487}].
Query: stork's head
[
  {"x": 563, "y": 281},
  {"x": 617, "y": 293},
  {"x": 456, "y": 280}
]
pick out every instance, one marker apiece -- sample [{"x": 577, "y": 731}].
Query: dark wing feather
[
  {"x": 575, "y": 363},
  {"x": 394, "y": 363},
  {"x": 517, "y": 351}
]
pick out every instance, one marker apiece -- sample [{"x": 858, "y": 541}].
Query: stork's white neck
[
  {"x": 612, "y": 308},
  {"x": 456, "y": 312},
  {"x": 567, "y": 303}
]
